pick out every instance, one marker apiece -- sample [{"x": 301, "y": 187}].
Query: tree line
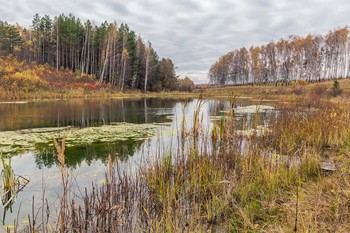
[
  {"x": 114, "y": 54},
  {"x": 310, "y": 58}
]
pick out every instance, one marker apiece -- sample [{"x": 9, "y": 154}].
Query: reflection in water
[
  {"x": 87, "y": 161},
  {"x": 243, "y": 120},
  {"x": 76, "y": 155},
  {"x": 83, "y": 112}
]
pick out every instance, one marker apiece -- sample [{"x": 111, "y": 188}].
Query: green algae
[{"x": 29, "y": 139}]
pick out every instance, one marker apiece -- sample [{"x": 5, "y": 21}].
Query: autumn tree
[
  {"x": 114, "y": 54},
  {"x": 310, "y": 58}
]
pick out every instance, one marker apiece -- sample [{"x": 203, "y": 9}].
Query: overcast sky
[{"x": 195, "y": 33}]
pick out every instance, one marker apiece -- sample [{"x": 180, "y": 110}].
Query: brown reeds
[
  {"x": 228, "y": 189},
  {"x": 64, "y": 176}
]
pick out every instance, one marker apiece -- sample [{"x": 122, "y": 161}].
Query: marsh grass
[
  {"x": 9, "y": 185},
  {"x": 212, "y": 185},
  {"x": 327, "y": 126},
  {"x": 64, "y": 179}
]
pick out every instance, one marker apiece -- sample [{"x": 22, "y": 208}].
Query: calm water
[{"x": 87, "y": 162}]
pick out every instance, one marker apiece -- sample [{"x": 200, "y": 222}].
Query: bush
[
  {"x": 336, "y": 90},
  {"x": 185, "y": 84},
  {"x": 23, "y": 81},
  {"x": 303, "y": 82}
]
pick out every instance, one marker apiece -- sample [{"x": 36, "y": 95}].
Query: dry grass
[
  {"x": 313, "y": 90},
  {"x": 213, "y": 185}
]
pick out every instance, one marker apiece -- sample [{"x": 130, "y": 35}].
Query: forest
[
  {"x": 114, "y": 54},
  {"x": 312, "y": 58}
]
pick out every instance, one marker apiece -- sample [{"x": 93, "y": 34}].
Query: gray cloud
[{"x": 195, "y": 33}]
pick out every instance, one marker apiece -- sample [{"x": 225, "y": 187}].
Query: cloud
[{"x": 195, "y": 33}]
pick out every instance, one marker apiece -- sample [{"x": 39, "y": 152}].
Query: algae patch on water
[
  {"x": 29, "y": 139},
  {"x": 251, "y": 109}
]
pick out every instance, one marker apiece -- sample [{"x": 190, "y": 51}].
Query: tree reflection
[
  {"x": 82, "y": 112},
  {"x": 88, "y": 153}
]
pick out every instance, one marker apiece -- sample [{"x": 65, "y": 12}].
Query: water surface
[{"x": 87, "y": 161}]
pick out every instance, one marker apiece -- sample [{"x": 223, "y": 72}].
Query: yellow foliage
[
  {"x": 8, "y": 69},
  {"x": 294, "y": 83},
  {"x": 300, "y": 82},
  {"x": 125, "y": 53},
  {"x": 26, "y": 81},
  {"x": 17, "y": 49}
]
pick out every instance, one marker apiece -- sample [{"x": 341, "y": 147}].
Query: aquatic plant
[
  {"x": 9, "y": 185},
  {"x": 7, "y": 173},
  {"x": 26, "y": 140}
]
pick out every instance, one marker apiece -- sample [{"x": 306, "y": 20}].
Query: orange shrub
[
  {"x": 16, "y": 75},
  {"x": 303, "y": 82}
]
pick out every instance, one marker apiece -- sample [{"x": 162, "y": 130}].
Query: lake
[{"x": 130, "y": 131}]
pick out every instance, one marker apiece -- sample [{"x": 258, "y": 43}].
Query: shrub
[
  {"x": 185, "y": 84},
  {"x": 303, "y": 82},
  {"x": 23, "y": 81},
  {"x": 336, "y": 90}
]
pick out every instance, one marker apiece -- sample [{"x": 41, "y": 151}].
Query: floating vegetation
[
  {"x": 28, "y": 139},
  {"x": 251, "y": 109}
]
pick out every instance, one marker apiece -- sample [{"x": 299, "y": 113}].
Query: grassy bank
[
  {"x": 322, "y": 89},
  {"x": 11, "y": 96},
  {"x": 276, "y": 182}
]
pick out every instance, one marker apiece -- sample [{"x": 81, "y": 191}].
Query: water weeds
[{"x": 26, "y": 140}]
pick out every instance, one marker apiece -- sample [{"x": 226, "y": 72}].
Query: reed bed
[{"x": 274, "y": 184}]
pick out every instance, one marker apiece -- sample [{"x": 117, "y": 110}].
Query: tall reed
[{"x": 227, "y": 189}]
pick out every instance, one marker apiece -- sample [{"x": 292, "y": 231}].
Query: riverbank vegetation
[
  {"x": 20, "y": 80},
  {"x": 333, "y": 90},
  {"x": 292, "y": 176}
]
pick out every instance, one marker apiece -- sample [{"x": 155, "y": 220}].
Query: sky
[{"x": 195, "y": 33}]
